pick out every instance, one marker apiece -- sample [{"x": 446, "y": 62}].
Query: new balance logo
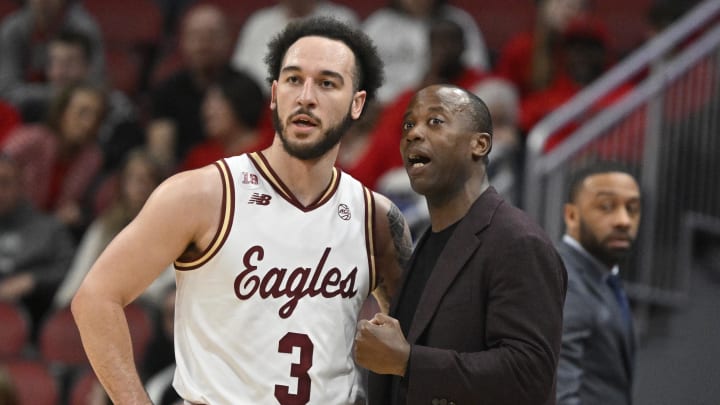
[{"x": 259, "y": 199}]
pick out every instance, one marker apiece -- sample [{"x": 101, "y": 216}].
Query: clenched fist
[{"x": 380, "y": 345}]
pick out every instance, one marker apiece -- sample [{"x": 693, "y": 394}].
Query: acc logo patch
[{"x": 344, "y": 212}]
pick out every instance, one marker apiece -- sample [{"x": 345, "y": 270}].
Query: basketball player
[{"x": 275, "y": 251}]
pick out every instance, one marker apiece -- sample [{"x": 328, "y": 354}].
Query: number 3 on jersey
[{"x": 297, "y": 370}]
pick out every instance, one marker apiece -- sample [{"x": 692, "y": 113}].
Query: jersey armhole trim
[
  {"x": 226, "y": 220},
  {"x": 370, "y": 236}
]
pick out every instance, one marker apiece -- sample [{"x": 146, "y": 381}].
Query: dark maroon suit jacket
[{"x": 488, "y": 325}]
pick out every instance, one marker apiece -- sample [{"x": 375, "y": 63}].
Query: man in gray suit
[{"x": 597, "y": 353}]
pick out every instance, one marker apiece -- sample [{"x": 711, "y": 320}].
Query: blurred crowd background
[{"x": 101, "y": 100}]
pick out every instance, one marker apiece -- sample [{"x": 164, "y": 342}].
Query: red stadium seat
[
  {"x": 236, "y": 11},
  {"x": 7, "y": 7},
  {"x": 141, "y": 329},
  {"x": 33, "y": 382},
  {"x": 123, "y": 69},
  {"x": 496, "y": 22},
  {"x": 127, "y": 22},
  {"x": 60, "y": 342},
  {"x": 132, "y": 31},
  {"x": 15, "y": 330},
  {"x": 82, "y": 391}
]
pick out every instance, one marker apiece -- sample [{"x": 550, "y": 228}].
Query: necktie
[{"x": 615, "y": 284}]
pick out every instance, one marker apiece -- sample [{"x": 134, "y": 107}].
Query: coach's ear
[{"x": 480, "y": 144}]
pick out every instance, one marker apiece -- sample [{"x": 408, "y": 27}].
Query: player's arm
[
  {"x": 393, "y": 249},
  {"x": 182, "y": 212}
]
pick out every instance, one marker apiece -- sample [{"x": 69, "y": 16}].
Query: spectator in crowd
[
  {"x": 24, "y": 36},
  {"x": 530, "y": 59},
  {"x": 67, "y": 61},
  {"x": 602, "y": 215},
  {"x": 232, "y": 110},
  {"x": 401, "y": 31},
  {"x": 483, "y": 264},
  {"x": 35, "y": 249},
  {"x": 176, "y": 123},
  {"x": 140, "y": 175},
  {"x": 505, "y": 168},
  {"x": 585, "y": 58},
  {"x": 448, "y": 48},
  {"x": 69, "y": 56},
  {"x": 264, "y": 24},
  {"x": 9, "y": 119},
  {"x": 60, "y": 160},
  {"x": 663, "y": 13}
]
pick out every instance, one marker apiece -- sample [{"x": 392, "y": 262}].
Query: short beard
[
  {"x": 331, "y": 138},
  {"x": 594, "y": 246}
]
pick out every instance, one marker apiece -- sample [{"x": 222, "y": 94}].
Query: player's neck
[{"x": 306, "y": 179}]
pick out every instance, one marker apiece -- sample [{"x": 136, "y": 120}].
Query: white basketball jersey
[{"x": 267, "y": 314}]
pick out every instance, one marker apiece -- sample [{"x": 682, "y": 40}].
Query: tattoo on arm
[{"x": 403, "y": 244}]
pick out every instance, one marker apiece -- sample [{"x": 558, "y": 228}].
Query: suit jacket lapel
[{"x": 460, "y": 247}]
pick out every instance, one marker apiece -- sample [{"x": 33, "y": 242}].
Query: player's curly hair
[{"x": 368, "y": 65}]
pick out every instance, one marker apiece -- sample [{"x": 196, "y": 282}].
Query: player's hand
[{"x": 380, "y": 345}]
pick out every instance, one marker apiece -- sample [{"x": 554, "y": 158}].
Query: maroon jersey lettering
[{"x": 278, "y": 282}]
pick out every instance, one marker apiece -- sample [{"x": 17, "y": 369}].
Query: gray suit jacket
[
  {"x": 487, "y": 328},
  {"x": 596, "y": 358}
]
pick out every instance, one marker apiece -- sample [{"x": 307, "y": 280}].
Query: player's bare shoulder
[
  {"x": 194, "y": 199},
  {"x": 191, "y": 189}
]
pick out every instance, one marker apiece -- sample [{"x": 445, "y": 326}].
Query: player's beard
[
  {"x": 598, "y": 248},
  {"x": 329, "y": 139}
]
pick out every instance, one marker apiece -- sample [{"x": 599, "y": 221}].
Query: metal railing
[{"x": 666, "y": 128}]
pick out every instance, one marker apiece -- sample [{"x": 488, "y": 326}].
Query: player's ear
[
  {"x": 357, "y": 104},
  {"x": 273, "y": 95}
]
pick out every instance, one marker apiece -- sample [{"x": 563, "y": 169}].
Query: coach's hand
[{"x": 380, "y": 345}]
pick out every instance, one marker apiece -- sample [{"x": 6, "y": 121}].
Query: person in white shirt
[
  {"x": 264, "y": 24},
  {"x": 401, "y": 32}
]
